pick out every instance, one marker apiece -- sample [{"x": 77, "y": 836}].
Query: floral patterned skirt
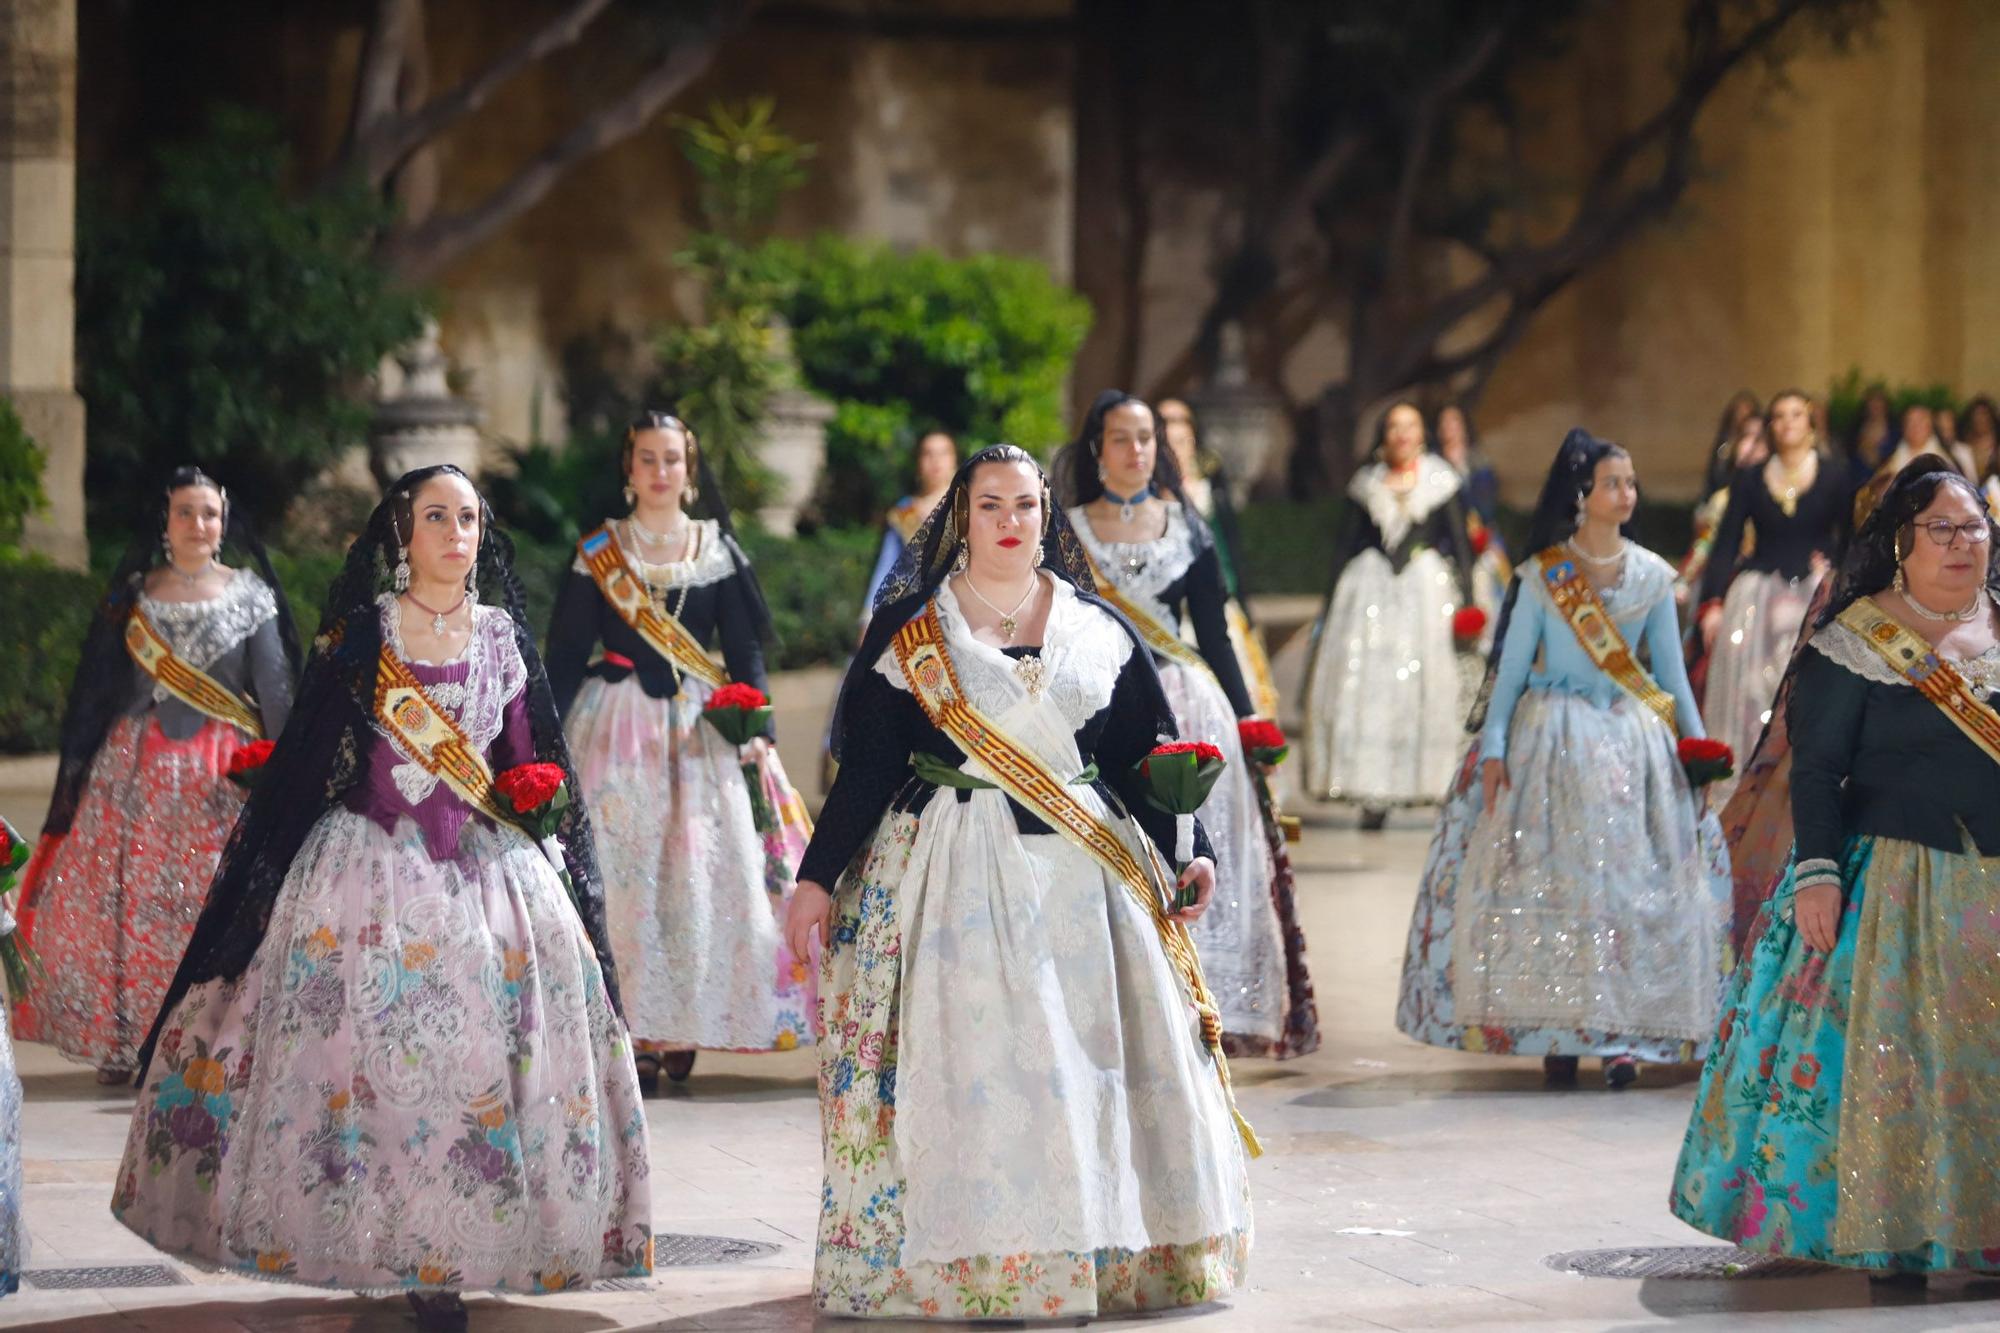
[
  {"x": 1589, "y": 914},
  {"x": 1847, "y": 1113},
  {"x": 693, "y": 892},
  {"x": 114, "y": 907},
  {"x": 418, "y": 1083},
  {"x": 923, "y": 1126},
  {"x": 13, "y": 1231}
]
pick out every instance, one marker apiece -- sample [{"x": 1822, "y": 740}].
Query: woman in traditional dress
[
  {"x": 1156, "y": 562},
  {"x": 937, "y": 460},
  {"x": 391, "y": 1059},
  {"x": 1020, "y": 1117},
  {"x": 1382, "y": 698},
  {"x": 1458, "y": 445},
  {"x": 1753, "y": 606},
  {"x": 1204, "y": 486},
  {"x": 695, "y": 877},
  {"x": 1740, "y": 442},
  {"x": 186, "y": 662},
  {"x": 1576, "y": 897},
  {"x": 1847, "y": 1111}
]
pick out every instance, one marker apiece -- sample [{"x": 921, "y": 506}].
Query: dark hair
[
  {"x": 917, "y": 449},
  {"x": 1722, "y": 449},
  {"x": 1572, "y": 476},
  {"x": 1382, "y": 427},
  {"x": 1075, "y": 471},
  {"x": 1437, "y": 422},
  {"x": 1870, "y": 563},
  {"x": 402, "y": 502},
  {"x": 655, "y": 419},
  {"x": 1979, "y": 401}
]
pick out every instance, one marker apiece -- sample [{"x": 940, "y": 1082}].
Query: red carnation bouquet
[
  {"x": 1467, "y": 624},
  {"x": 535, "y": 795},
  {"x": 1179, "y": 776},
  {"x": 246, "y": 766},
  {"x": 1262, "y": 741},
  {"x": 742, "y": 713},
  {"x": 16, "y": 961},
  {"x": 1706, "y": 760},
  {"x": 1480, "y": 539}
]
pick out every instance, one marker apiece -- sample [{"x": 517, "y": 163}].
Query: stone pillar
[
  {"x": 38, "y": 257},
  {"x": 421, "y": 423},
  {"x": 791, "y": 440}
]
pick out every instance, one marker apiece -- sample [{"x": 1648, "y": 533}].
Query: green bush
[
  {"x": 977, "y": 346},
  {"x": 44, "y": 611},
  {"x": 223, "y": 322},
  {"x": 21, "y": 463},
  {"x": 1844, "y": 397},
  {"x": 814, "y": 585}
]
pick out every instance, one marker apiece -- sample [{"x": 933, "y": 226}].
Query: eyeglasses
[{"x": 1942, "y": 532}]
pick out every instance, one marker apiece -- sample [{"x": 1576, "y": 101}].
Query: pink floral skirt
[
  {"x": 418, "y": 1083},
  {"x": 111, "y": 910}
]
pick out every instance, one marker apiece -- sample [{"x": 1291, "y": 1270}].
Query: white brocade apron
[{"x": 1052, "y": 1092}]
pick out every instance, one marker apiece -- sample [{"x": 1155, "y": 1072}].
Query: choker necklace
[
  {"x": 1970, "y": 609},
  {"x": 1009, "y": 621},
  {"x": 437, "y": 616},
  {"x": 190, "y": 580},
  {"x": 1598, "y": 560},
  {"x": 1126, "y": 503},
  {"x": 652, "y": 538}
]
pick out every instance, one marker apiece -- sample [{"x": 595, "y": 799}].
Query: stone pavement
[{"x": 1403, "y": 1188}]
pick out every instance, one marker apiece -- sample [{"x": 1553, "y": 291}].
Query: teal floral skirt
[{"x": 1849, "y": 1106}]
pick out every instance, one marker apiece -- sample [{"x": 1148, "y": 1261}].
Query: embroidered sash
[
  {"x": 1158, "y": 637},
  {"x": 636, "y": 607},
  {"x": 926, "y": 662},
  {"x": 1598, "y": 634},
  {"x": 1935, "y": 679},
  {"x": 431, "y": 739},
  {"x": 186, "y": 682}
]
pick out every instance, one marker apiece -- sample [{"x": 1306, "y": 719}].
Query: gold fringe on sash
[
  {"x": 1936, "y": 679},
  {"x": 629, "y": 598},
  {"x": 1598, "y": 634},
  {"x": 431, "y": 738},
  {"x": 191, "y": 685}
]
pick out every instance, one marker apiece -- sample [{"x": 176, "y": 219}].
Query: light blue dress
[{"x": 1588, "y": 913}]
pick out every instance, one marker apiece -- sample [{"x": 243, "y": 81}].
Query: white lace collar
[
  {"x": 1396, "y": 512},
  {"x": 1083, "y": 651},
  {"x": 494, "y": 674},
  {"x": 1843, "y": 645},
  {"x": 202, "y": 632},
  {"x": 707, "y": 561},
  {"x": 1144, "y": 570}
]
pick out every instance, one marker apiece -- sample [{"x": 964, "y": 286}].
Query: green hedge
[{"x": 44, "y": 612}]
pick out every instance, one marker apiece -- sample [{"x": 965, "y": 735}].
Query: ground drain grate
[
  {"x": 671, "y": 1251},
  {"x": 1683, "y": 1262},
  {"x": 95, "y": 1279}
]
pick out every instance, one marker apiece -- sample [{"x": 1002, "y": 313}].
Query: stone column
[
  {"x": 38, "y": 257},
  {"x": 791, "y": 440}
]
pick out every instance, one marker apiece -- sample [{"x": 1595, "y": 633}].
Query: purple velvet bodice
[{"x": 485, "y": 691}]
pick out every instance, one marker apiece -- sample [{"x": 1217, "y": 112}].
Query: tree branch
[
  {"x": 1431, "y": 108},
  {"x": 424, "y": 250},
  {"x": 377, "y": 154},
  {"x": 383, "y": 54}
]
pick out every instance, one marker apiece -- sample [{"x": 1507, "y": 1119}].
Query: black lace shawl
[
  {"x": 320, "y": 757},
  {"x": 102, "y": 687}
]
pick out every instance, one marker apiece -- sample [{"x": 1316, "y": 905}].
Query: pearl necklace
[
  {"x": 1970, "y": 610},
  {"x": 652, "y": 538},
  {"x": 1599, "y": 560}
]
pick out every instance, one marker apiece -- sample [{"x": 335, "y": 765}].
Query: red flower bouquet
[
  {"x": 1467, "y": 624},
  {"x": 17, "y": 962},
  {"x": 535, "y": 795},
  {"x": 1706, "y": 760},
  {"x": 741, "y": 713},
  {"x": 246, "y": 766},
  {"x": 1480, "y": 539},
  {"x": 1179, "y": 776},
  {"x": 1262, "y": 741}
]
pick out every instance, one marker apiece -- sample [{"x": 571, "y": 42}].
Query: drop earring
[
  {"x": 1902, "y": 588},
  {"x": 1579, "y": 508},
  {"x": 631, "y": 498},
  {"x": 472, "y": 588},
  {"x": 402, "y": 569},
  {"x": 959, "y": 565}
]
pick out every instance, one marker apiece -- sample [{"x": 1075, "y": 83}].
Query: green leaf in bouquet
[{"x": 739, "y": 726}]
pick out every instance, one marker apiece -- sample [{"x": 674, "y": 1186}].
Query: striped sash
[
  {"x": 1935, "y": 679},
  {"x": 186, "y": 682},
  {"x": 636, "y": 607},
  {"x": 1598, "y": 634},
  {"x": 431, "y": 738}
]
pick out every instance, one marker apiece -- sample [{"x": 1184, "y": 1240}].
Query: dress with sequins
[
  {"x": 1252, "y": 946},
  {"x": 1383, "y": 702},
  {"x": 694, "y": 890},
  {"x": 1848, "y": 1109},
  {"x": 419, "y": 1081},
  {"x": 13, "y": 1231},
  {"x": 1588, "y": 914},
  {"x": 111, "y": 908},
  {"x": 1018, "y": 1117}
]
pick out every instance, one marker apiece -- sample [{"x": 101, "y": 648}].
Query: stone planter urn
[
  {"x": 791, "y": 440},
  {"x": 422, "y": 423},
  {"x": 1241, "y": 421}
]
